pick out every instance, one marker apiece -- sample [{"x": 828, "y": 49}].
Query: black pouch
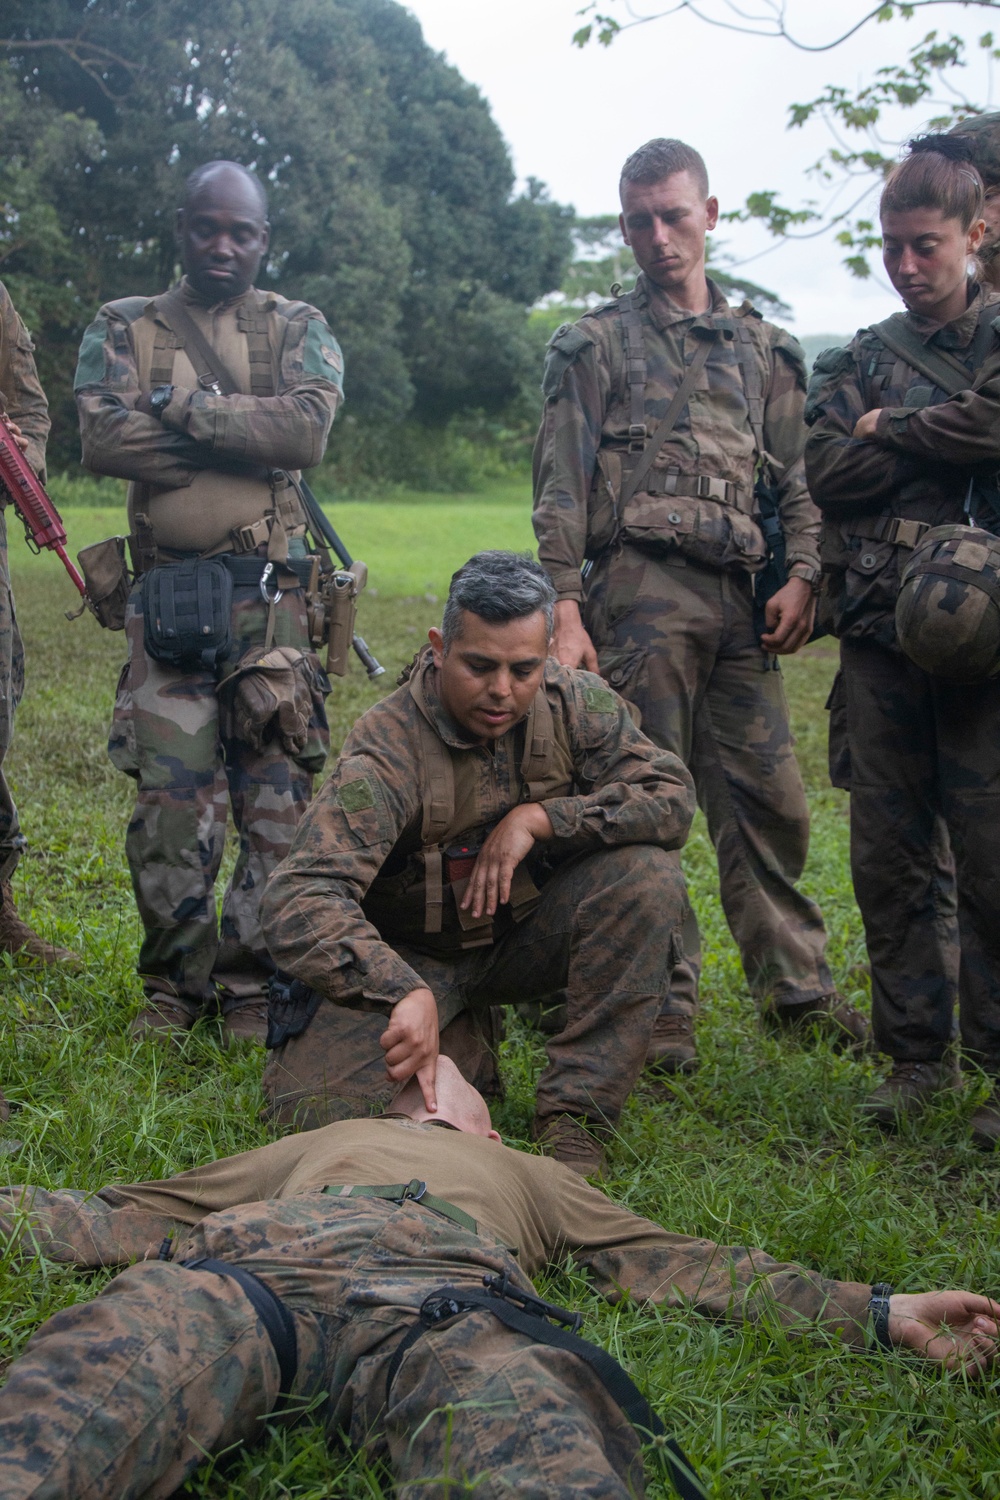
[
  {"x": 186, "y": 610},
  {"x": 291, "y": 1005}
]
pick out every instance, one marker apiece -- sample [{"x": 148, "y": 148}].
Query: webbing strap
[
  {"x": 438, "y": 812},
  {"x": 204, "y": 359},
  {"x": 413, "y": 1191},
  {"x": 753, "y": 386},
  {"x": 901, "y": 338},
  {"x": 539, "y": 743},
  {"x": 452, "y": 1301},
  {"x": 253, "y": 325},
  {"x": 669, "y": 422},
  {"x": 272, "y": 1312},
  {"x": 635, "y": 367}
]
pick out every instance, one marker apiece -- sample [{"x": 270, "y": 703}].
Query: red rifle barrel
[{"x": 43, "y": 525}]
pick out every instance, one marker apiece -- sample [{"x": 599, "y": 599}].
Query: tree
[
  {"x": 861, "y": 156},
  {"x": 390, "y": 184}
]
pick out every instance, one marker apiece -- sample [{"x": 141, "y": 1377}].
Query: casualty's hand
[
  {"x": 508, "y": 843},
  {"x": 789, "y": 615},
  {"x": 866, "y": 424},
  {"x": 959, "y": 1330},
  {"x": 17, "y": 435},
  {"x": 571, "y": 645},
  {"x": 410, "y": 1043}
]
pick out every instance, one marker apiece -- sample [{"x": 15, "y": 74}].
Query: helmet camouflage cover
[{"x": 948, "y": 610}]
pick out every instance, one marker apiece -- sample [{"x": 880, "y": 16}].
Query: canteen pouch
[
  {"x": 703, "y": 530},
  {"x": 186, "y": 611},
  {"x": 106, "y": 575}
]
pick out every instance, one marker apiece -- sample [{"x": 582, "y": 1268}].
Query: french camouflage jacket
[
  {"x": 23, "y": 398},
  {"x": 930, "y": 454},
  {"x": 206, "y": 466},
  {"x": 609, "y": 380},
  {"x": 358, "y": 846}
]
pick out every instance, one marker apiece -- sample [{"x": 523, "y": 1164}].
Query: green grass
[{"x": 762, "y": 1146}]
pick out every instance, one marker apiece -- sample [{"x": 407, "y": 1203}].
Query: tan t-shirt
[{"x": 532, "y": 1204}]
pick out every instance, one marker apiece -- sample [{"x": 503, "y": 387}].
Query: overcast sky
[{"x": 570, "y": 117}]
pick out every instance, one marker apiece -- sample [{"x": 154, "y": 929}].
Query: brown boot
[
  {"x": 164, "y": 1018},
  {"x": 17, "y": 937},
  {"x": 832, "y": 1017},
  {"x": 908, "y": 1090},
  {"x": 245, "y": 1022},
  {"x": 672, "y": 1047},
  {"x": 570, "y": 1142},
  {"x": 985, "y": 1121}
]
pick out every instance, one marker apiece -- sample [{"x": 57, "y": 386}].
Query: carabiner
[{"x": 265, "y": 575}]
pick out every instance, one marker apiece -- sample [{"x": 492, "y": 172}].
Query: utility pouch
[
  {"x": 108, "y": 582},
  {"x": 339, "y": 592},
  {"x": 291, "y": 1005},
  {"x": 186, "y": 610}
]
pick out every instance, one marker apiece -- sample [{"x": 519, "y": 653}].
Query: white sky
[{"x": 570, "y": 117}]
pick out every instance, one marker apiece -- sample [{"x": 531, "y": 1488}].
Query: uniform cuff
[
  {"x": 846, "y": 1314},
  {"x": 567, "y": 582}
]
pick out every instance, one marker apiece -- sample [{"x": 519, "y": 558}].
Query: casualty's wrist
[{"x": 880, "y": 1312}]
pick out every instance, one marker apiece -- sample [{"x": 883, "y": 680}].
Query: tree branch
[{"x": 90, "y": 58}]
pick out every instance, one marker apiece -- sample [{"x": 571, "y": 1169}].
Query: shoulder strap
[
  {"x": 539, "y": 743},
  {"x": 938, "y": 365},
  {"x": 635, "y": 370},
  {"x": 753, "y": 386},
  {"x": 199, "y": 351},
  {"x": 669, "y": 422},
  {"x": 253, "y": 323},
  {"x": 438, "y": 796}
]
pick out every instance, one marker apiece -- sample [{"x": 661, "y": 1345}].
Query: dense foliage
[{"x": 391, "y": 186}]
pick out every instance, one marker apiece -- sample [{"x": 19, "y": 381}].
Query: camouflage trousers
[
  {"x": 605, "y": 930},
  {"x": 12, "y": 841},
  {"x": 677, "y": 640},
  {"x": 925, "y": 824},
  {"x": 123, "y": 1397},
  {"x": 166, "y": 734}
]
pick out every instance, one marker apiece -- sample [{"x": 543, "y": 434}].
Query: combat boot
[
  {"x": 909, "y": 1089},
  {"x": 17, "y": 938},
  {"x": 672, "y": 1047},
  {"x": 245, "y": 1021},
  {"x": 985, "y": 1121},
  {"x": 164, "y": 1018},
  {"x": 570, "y": 1142},
  {"x": 831, "y": 1017}
]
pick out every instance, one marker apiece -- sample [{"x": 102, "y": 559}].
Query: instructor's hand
[
  {"x": 410, "y": 1043},
  {"x": 512, "y": 838},
  {"x": 956, "y": 1329},
  {"x": 789, "y": 615},
  {"x": 571, "y": 645}
]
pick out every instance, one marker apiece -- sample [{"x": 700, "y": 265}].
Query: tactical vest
[
  {"x": 701, "y": 516},
  {"x": 421, "y": 904},
  {"x": 217, "y": 512}
]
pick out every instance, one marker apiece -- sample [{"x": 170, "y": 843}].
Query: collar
[
  {"x": 664, "y": 312},
  {"x": 441, "y": 1124},
  {"x": 960, "y": 332},
  {"x": 224, "y": 305}
]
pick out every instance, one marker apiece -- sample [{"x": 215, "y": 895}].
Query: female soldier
[{"x": 892, "y": 453}]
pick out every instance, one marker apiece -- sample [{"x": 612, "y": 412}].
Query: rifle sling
[
  {"x": 669, "y": 422},
  {"x": 938, "y": 365}
]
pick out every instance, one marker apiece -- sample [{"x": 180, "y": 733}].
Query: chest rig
[{"x": 422, "y": 903}]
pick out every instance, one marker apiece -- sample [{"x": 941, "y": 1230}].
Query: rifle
[
  {"x": 43, "y": 525},
  {"x": 322, "y": 530}
]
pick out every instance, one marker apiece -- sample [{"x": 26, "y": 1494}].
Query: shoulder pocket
[
  {"x": 828, "y": 371},
  {"x": 565, "y": 346}
]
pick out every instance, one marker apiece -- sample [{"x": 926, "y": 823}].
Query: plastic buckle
[
  {"x": 264, "y": 578},
  {"x": 637, "y": 435}
]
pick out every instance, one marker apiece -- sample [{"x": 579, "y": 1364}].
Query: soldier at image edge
[
  {"x": 905, "y": 446},
  {"x": 983, "y": 137},
  {"x": 495, "y": 830},
  {"x": 212, "y": 475},
  {"x": 662, "y": 408},
  {"x": 23, "y": 401},
  {"x": 297, "y": 1278}
]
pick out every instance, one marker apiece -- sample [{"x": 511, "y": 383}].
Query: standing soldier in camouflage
[
  {"x": 495, "y": 830},
  {"x": 905, "y": 438},
  {"x": 982, "y": 136},
  {"x": 295, "y": 1278},
  {"x": 23, "y": 401},
  {"x": 212, "y": 476},
  {"x": 660, "y": 406}
]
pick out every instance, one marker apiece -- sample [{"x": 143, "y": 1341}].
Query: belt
[
  {"x": 247, "y": 571},
  {"x": 697, "y": 486},
  {"x": 895, "y": 529},
  {"x": 272, "y": 1312},
  {"x": 545, "y": 1323},
  {"x": 413, "y": 1191}
]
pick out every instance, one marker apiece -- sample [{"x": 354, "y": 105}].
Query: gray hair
[
  {"x": 661, "y": 158},
  {"x": 498, "y": 587}
]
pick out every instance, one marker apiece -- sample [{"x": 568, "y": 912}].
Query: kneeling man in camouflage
[{"x": 496, "y": 830}]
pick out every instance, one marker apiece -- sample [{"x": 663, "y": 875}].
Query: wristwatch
[
  {"x": 878, "y": 1306},
  {"x": 160, "y": 398}
]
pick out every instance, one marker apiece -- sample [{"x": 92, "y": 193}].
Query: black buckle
[{"x": 499, "y": 1286}]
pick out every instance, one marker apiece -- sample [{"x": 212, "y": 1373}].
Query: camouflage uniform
[
  {"x": 124, "y": 1395},
  {"x": 24, "y": 402},
  {"x": 922, "y": 751},
  {"x": 201, "y": 479},
  {"x": 604, "y": 921},
  {"x": 668, "y": 603}
]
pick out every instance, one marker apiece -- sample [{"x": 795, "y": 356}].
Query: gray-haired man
[{"x": 495, "y": 830}]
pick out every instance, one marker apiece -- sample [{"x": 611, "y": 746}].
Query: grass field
[{"x": 762, "y": 1146}]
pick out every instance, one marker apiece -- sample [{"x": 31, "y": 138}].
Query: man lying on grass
[{"x": 293, "y": 1277}]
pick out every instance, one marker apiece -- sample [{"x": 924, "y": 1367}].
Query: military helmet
[
  {"x": 948, "y": 610},
  {"x": 983, "y": 135}
]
